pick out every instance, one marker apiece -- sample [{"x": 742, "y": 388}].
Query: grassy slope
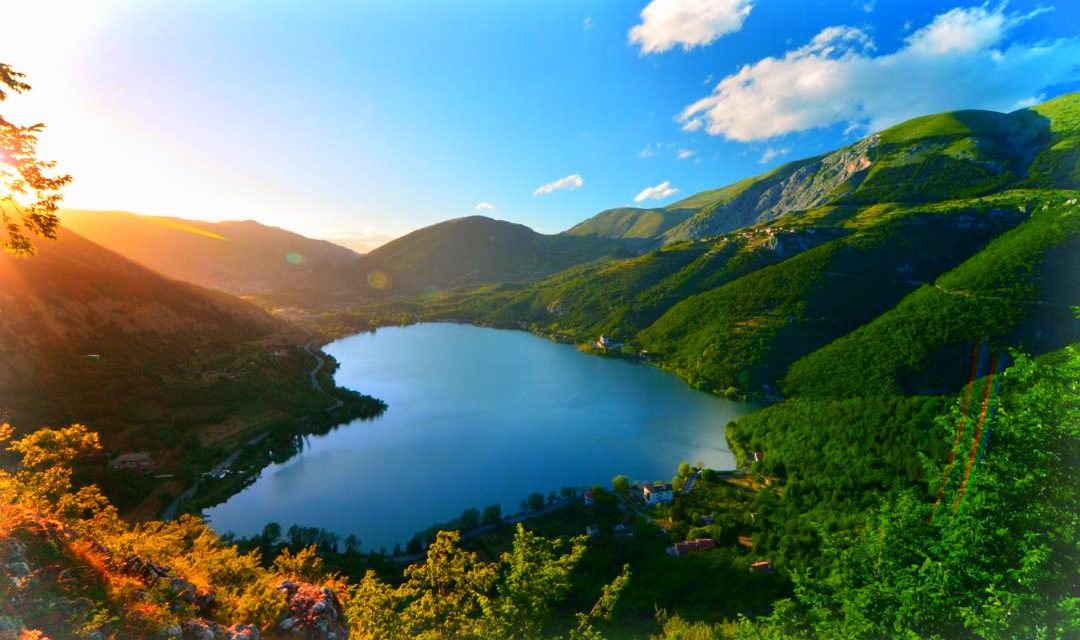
[{"x": 630, "y": 222}]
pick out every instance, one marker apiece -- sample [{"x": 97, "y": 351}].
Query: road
[
  {"x": 170, "y": 511},
  {"x": 315, "y": 384}
]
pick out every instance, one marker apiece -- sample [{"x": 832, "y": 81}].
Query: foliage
[
  {"x": 998, "y": 564},
  {"x": 29, "y": 193},
  {"x": 452, "y": 594}
]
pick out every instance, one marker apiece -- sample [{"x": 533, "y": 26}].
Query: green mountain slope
[
  {"x": 238, "y": 257},
  {"x": 631, "y": 222},
  {"x": 851, "y": 240},
  {"x": 460, "y": 252}
]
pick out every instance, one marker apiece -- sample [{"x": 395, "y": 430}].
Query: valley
[{"x": 834, "y": 400}]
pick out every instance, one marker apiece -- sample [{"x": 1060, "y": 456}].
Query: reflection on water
[{"x": 478, "y": 416}]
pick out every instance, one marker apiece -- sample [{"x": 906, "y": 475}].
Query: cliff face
[{"x": 794, "y": 187}]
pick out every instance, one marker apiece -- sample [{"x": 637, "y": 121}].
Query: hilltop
[
  {"x": 462, "y": 252},
  {"x": 240, "y": 257}
]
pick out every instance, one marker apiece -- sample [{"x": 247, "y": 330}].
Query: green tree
[
  {"x": 29, "y": 191},
  {"x": 352, "y": 543},
  {"x": 684, "y": 469},
  {"x": 271, "y": 533},
  {"x": 536, "y": 501},
  {"x": 621, "y": 484},
  {"x": 470, "y": 519},
  {"x": 492, "y": 514}
]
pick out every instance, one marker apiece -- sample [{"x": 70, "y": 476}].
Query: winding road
[{"x": 319, "y": 363}]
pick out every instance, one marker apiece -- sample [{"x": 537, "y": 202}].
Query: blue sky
[{"x": 368, "y": 120}]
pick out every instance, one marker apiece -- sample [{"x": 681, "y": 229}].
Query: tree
[
  {"x": 536, "y": 501},
  {"x": 352, "y": 543},
  {"x": 684, "y": 469},
  {"x": 271, "y": 533},
  {"x": 470, "y": 519},
  {"x": 621, "y": 484},
  {"x": 29, "y": 191},
  {"x": 492, "y": 514}
]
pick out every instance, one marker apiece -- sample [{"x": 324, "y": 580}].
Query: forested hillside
[
  {"x": 151, "y": 364},
  {"x": 970, "y": 215}
]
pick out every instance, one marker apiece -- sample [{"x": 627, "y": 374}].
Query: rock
[
  {"x": 314, "y": 613},
  {"x": 202, "y": 629},
  {"x": 18, "y": 569},
  {"x": 244, "y": 632},
  {"x": 10, "y": 628},
  {"x": 199, "y": 629},
  {"x": 172, "y": 631}
]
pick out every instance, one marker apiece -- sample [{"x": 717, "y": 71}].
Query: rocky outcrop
[
  {"x": 182, "y": 590},
  {"x": 796, "y": 187},
  {"x": 200, "y": 629},
  {"x": 314, "y": 613}
]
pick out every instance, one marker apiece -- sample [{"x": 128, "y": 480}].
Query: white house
[{"x": 657, "y": 493}]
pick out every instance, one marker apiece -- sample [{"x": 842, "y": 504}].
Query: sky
[{"x": 362, "y": 121}]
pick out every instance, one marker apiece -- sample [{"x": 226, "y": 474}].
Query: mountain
[
  {"x": 630, "y": 222},
  {"x": 238, "y": 257},
  {"x": 870, "y": 269},
  {"x": 932, "y": 158},
  {"x": 461, "y": 252},
  {"x": 151, "y": 363}
]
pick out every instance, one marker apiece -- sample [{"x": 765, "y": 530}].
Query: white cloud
[
  {"x": 649, "y": 151},
  {"x": 690, "y": 23},
  {"x": 586, "y": 24},
  {"x": 569, "y": 183},
  {"x": 683, "y": 154},
  {"x": 484, "y": 206},
  {"x": 659, "y": 192},
  {"x": 772, "y": 153},
  {"x": 707, "y": 79},
  {"x": 959, "y": 60}
]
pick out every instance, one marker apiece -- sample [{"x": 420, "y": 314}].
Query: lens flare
[
  {"x": 378, "y": 280},
  {"x": 294, "y": 258}
]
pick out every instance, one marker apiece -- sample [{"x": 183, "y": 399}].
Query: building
[
  {"x": 657, "y": 493},
  {"x": 761, "y": 566},
  {"x": 680, "y": 549},
  {"x": 588, "y": 497},
  {"x": 136, "y": 460}
]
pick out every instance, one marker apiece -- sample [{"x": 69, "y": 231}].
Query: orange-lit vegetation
[
  {"x": 92, "y": 572},
  {"x": 29, "y": 194}
]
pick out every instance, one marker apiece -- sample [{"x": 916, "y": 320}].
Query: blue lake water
[{"x": 478, "y": 416}]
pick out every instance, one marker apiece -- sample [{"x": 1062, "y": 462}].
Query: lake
[{"x": 478, "y": 416}]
